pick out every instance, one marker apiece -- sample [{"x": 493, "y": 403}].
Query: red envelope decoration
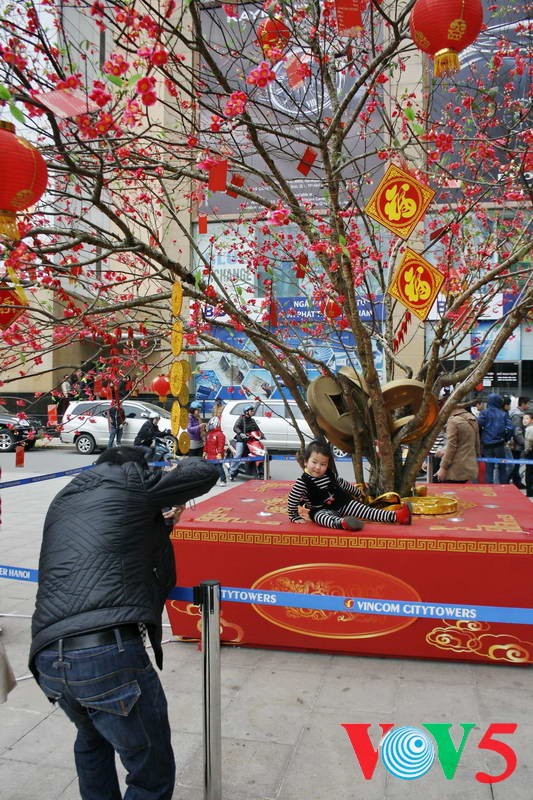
[
  {"x": 307, "y": 161},
  {"x": 218, "y": 175}
]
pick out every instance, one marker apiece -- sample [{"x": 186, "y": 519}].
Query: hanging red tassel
[{"x": 302, "y": 263}]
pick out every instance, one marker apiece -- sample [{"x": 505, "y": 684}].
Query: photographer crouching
[{"x": 106, "y": 567}]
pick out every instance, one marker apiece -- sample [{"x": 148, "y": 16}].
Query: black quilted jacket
[{"x": 106, "y": 558}]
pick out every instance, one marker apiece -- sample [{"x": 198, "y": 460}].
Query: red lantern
[
  {"x": 161, "y": 387},
  {"x": 331, "y": 309},
  {"x": 442, "y": 28},
  {"x": 24, "y": 178},
  {"x": 272, "y": 35}
]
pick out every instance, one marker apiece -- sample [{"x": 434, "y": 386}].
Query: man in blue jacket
[
  {"x": 105, "y": 569},
  {"x": 495, "y": 430}
]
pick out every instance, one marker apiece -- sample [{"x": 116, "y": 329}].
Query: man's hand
[{"x": 174, "y": 513}]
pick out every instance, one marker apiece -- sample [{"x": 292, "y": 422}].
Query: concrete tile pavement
[{"x": 281, "y": 711}]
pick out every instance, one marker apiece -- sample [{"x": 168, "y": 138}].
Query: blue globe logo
[{"x": 407, "y": 752}]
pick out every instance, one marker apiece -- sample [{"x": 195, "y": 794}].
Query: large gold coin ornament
[
  {"x": 324, "y": 395},
  {"x": 409, "y": 393},
  {"x": 184, "y": 442},
  {"x": 175, "y": 418},
  {"x": 176, "y": 378},
  {"x": 176, "y": 337},
  {"x": 184, "y": 418},
  {"x": 176, "y": 300}
]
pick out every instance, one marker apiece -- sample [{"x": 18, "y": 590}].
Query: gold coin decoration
[
  {"x": 176, "y": 378},
  {"x": 184, "y": 442},
  {"x": 187, "y": 372},
  {"x": 183, "y": 395},
  {"x": 177, "y": 298},
  {"x": 175, "y": 418},
  {"x": 176, "y": 337},
  {"x": 430, "y": 505},
  {"x": 384, "y": 500},
  {"x": 184, "y": 418}
]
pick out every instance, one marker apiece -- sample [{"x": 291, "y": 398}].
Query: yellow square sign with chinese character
[
  {"x": 416, "y": 283},
  {"x": 399, "y": 202}
]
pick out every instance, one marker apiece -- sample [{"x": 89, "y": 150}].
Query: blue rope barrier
[
  {"x": 506, "y": 460},
  {"x": 337, "y": 603},
  {"x": 368, "y": 605},
  {"x": 47, "y": 477}
]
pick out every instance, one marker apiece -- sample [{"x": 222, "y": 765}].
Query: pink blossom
[
  {"x": 278, "y": 216},
  {"x": 236, "y": 104}
]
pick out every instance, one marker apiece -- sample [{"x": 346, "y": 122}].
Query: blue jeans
[
  {"x": 239, "y": 450},
  {"x": 494, "y": 451},
  {"x": 114, "y": 433},
  {"x": 114, "y": 697}
]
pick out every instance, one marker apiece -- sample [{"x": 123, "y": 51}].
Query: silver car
[
  {"x": 274, "y": 421},
  {"x": 84, "y": 423}
]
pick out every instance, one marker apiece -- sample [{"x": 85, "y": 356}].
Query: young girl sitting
[{"x": 329, "y": 501}]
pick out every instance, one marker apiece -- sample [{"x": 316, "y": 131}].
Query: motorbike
[
  {"x": 161, "y": 450},
  {"x": 253, "y": 446}
]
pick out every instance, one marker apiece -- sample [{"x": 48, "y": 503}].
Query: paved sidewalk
[{"x": 282, "y": 711}]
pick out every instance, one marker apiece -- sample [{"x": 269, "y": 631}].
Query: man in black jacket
[
  {"x": 148, "y": 431},
  {"x": 105, "y": 568}
]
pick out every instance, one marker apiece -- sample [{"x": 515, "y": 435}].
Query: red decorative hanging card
[
  {"x": 218, "y": 175},
  {"x": 236, "y": 180},
  {"x": 67, "y": 102},
  {"x": 307, "y": 161},
  {"x": 349, "y": 19},
  {"x": 10, "y": 308},
  {"x": 399, "y": 202},
  {"x": 416, "y": 283}
]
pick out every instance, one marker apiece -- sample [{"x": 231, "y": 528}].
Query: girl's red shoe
[{"x": 404, "y": 514}]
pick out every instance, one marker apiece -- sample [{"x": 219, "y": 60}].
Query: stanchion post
[
  {"x": 19, "y": 455},
  {"x": 207, "y": 595},
  {"x": 429, "y": 470}
]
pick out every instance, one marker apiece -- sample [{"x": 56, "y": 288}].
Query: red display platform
[{"x": 480, "y": 555}]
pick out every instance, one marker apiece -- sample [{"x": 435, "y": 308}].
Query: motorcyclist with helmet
[
  {"x": 243, "y": 427},
  {"x": 148, "y": 431}
]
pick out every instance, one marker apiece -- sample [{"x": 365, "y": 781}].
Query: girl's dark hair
[{"x": 322, "y": 448}]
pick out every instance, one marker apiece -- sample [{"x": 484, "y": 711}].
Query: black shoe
[
  {"x": 352, "y": 524},
  {"x": 520, "y": 486}
]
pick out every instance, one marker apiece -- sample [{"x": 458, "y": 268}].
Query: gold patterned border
[{"x": 351, "y": 542}]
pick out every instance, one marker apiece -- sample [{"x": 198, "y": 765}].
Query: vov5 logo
[{"x": 410, "y": 752}]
